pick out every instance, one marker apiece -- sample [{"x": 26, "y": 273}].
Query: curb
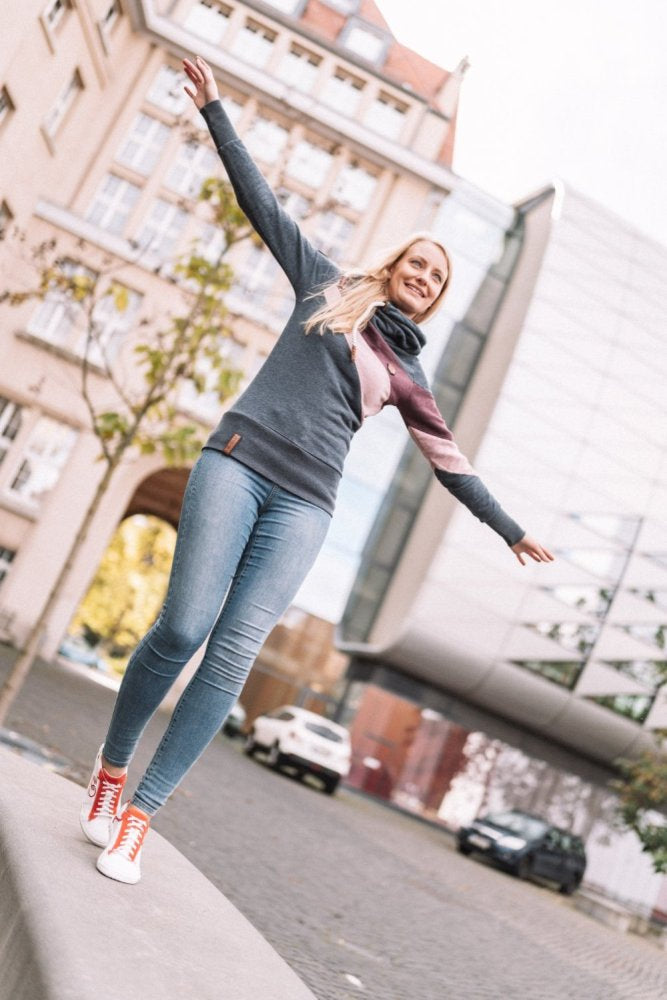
[{"x": 68, "y": 933}]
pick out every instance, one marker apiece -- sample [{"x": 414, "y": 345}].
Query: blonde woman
[{"x": 260, "y": 497}]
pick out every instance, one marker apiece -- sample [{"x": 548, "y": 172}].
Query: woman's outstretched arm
[{"x": 302, "y": 263}]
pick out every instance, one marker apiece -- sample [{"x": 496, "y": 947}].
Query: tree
[
  {"x": 169, "y": 355},
  {"x": 642, "y": 793}
]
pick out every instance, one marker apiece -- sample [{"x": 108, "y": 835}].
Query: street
[{"x": 361, "y": 900}]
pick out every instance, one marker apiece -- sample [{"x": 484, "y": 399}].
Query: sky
[{"x": 572, "y": 89}]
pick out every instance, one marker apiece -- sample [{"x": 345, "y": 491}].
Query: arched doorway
[{"x": 129, "y": 585}]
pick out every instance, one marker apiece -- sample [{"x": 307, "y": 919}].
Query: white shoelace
[
  {"x": 107, "y": 802},
  {"x": 133, "y": 834}
]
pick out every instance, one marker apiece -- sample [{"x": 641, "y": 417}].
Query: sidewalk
[{"x": 68, "y": 933}]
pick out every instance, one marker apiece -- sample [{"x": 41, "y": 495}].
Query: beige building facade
[{"x": 103, "y": 153}]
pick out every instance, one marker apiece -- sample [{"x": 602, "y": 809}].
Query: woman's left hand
[{"x": 529, "y": 547}]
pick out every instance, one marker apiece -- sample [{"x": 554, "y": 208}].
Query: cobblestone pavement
[{"x": 362, "y": 901}]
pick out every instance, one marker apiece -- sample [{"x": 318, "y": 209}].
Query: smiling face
[{"x": 417, "y": 278}]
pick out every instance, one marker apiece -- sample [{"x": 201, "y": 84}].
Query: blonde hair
[{"x": 361, "y": 292}]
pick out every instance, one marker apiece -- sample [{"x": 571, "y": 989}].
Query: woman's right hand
[{"x": 201, "y": 76}]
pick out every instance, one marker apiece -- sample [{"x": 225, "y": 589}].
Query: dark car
[{"x": 526, "y": 845}]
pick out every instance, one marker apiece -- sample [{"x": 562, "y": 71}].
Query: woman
[{"x": 260, "y": 497}]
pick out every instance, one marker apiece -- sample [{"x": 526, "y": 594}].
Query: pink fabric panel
[
  {"x": 441, "y": 452},
  {"x": 373, "y": 377}
]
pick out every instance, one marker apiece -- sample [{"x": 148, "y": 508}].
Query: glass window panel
[
  {"x": 343, "y": 91},
  {"x": 46, "y": 451},
  {"x": 6, "y": 559},
  {"x": 387, "y": 116},
  {"x": 570, "y": 635},
  {"x": 64, "y": 101},
  {"x": 254, "y": 43},
  {"x": 606, "y": 563},
  {"x": 266, "y": 139},
  {"x": 364, "y": 43},
  {"x": 653, "y": 673},
  {"x": 57, "y": 316},
  {"x": 194, "y": 163},
  {"x": 564, "y": 672},
  {"x": 142, "y": 147},
  {"x": 110, "y": 326},
  {"x": 593, "y": 600},
  {"x": 355, "y": 187},
  {"x": 10, "y": 424},
  {"x": 309, "y": 164},
  {"x": 299, "y": 68},
  {"x": 633, "y": 706},
  {"x": 208, "y": 19},
  {"x": 615, "y": 526},
  {"x": 161, "y": 230},
  {"x": 332, "y": 234},
  {"x": 166, "y": 90},
  {"x": 652, "y": 634},
  {"x": 113, "y": 203}
]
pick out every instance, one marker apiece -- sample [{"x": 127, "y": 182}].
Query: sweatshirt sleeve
[
  {"x": 304, "y": 266},
  {"x": 436, "y": 442}
]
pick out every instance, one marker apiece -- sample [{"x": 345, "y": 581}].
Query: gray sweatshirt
[{"x": 295, "y": 421}]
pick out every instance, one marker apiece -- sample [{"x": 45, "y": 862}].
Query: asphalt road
[{"x": 362, "y": 901}]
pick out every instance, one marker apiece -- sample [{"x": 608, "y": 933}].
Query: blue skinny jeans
[{"x": 244, "y": 546}]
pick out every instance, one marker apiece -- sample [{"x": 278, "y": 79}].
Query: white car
[{"x": 306, "y": 741}]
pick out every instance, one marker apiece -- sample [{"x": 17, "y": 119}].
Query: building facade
[
  {"x": 476, "y": 683},
  {"x": 355, "y": 131}
]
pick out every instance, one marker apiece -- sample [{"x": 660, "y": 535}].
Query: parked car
[
  {"x": 235, "y": 721},
  {"x": 78, "y": 651},
  {"x": 308, "y": 742},
  {"x": 526, "y": 845}
]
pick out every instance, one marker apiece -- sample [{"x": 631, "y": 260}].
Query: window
[
  {"x": 193, "y": 164},
  {"x": 55, "y": 318},
  {"x": 10, "y": 424},
  {"x": 64, "y": 102},
  {"x": 344, "y": 6},
  {"x": 142, "y": 147},
  {"x": 6, "y": 559},
  {"x": 309, "y": 164},
  {"x": 256, "y": 287},
  {"x": 210, "y": 243},
  {"x": 387, "y": 116},
  {"x": 6, "y": 105},
  {"x": 578, "y": 638},
  {"x": 564, "y": 672},
  {"x": 208, "y": 19},
  {"x": 6, "y": 217},
  {"x": 370, "y": 45},
  {"x": 112, "y": 205},
  {"x": 354, "y": 187},
  {"x": 654, "y": 595},
  {"x": 45, "y": 454},
  {"x": 653, "y": 673},
  {"x": 294, "y": 204},
  {"x": 614, "y": 526},
  {"x": 160, "y": 230},
  {"x": 653, "y": 634},
  {"x": 54, "y": 13},
  {"x": 343, "y": 92},
  {"x": 633, "y": 706},
  {"x": 266, "y": 139},
  {"x": 591, "y": 599},
  {"x": 286, "y": 6},
  {"x": 254, "y": 43},
  {"x": 299, "y": 68},
  {"x": 605, "y": 563},
  {"x": 166, "y": 90},
  {"x": 112, "y": 319},
  {"x": 332, "y": 234}
]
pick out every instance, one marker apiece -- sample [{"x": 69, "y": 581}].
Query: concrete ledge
[
  {"x": 68, "y": 933},
  {"x": 605, "y": 910}
]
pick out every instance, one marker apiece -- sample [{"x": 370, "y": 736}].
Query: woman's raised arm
[{"x": 305, "y": 267}]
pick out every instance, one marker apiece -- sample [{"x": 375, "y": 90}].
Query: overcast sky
[{"x": 574, "y": 89}]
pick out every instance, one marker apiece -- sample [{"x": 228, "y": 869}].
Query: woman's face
[{"x": 417, "y": 278}]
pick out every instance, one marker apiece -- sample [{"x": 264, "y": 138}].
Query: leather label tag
[{"x": 231, "y": 444}]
